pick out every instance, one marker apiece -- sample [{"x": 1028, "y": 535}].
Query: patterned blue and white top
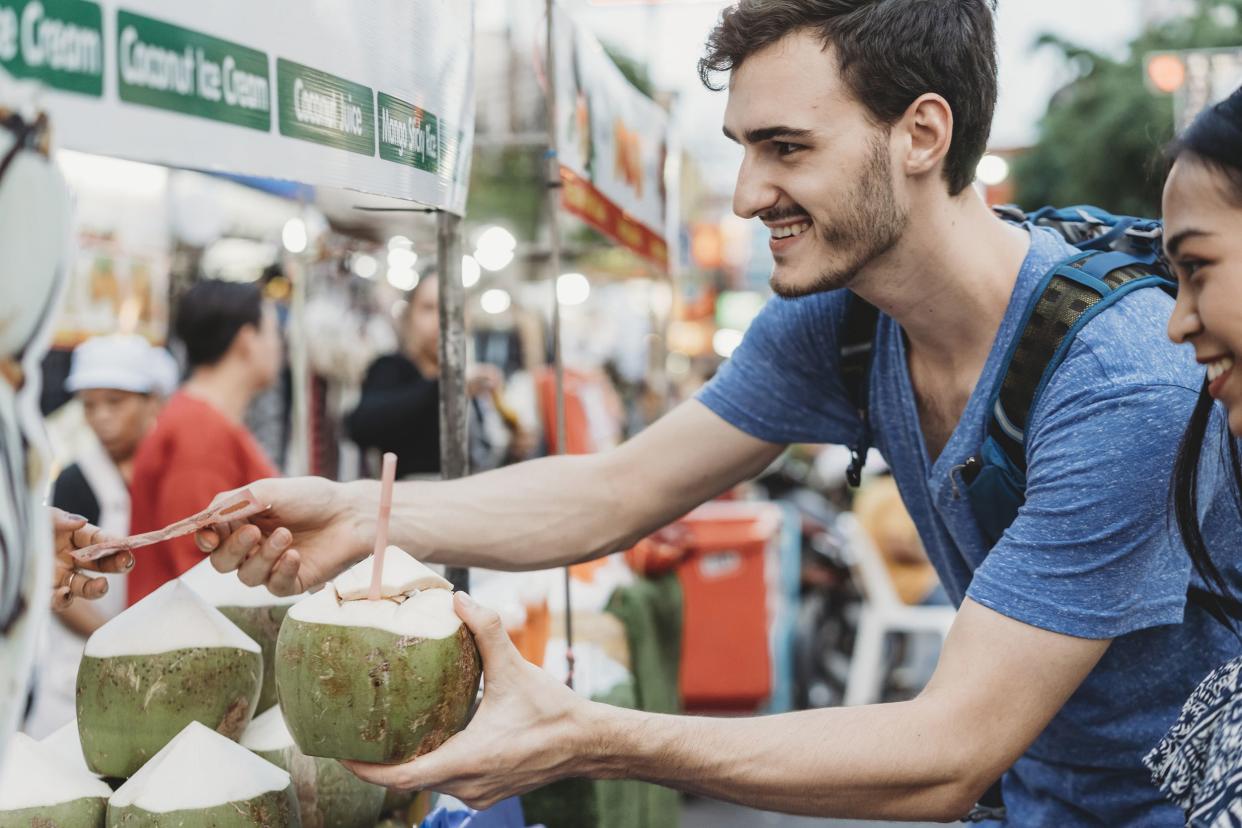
[{"x": 1198, "y": 764}]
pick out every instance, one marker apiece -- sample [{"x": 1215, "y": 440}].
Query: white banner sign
[{"x": 375, "y": 96}]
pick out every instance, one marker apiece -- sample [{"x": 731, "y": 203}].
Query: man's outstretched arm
[
  {"x": 999, "y": 682},
  {"x": 532, "y": 515}
]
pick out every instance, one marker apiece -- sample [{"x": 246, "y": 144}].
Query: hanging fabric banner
[
  {"x": 613, "y": 142},
  {"x": 375, "y": 96}
]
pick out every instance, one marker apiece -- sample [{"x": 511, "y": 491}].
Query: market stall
[{"x": 296, "y": 100}]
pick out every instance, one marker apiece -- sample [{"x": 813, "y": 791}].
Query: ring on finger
[{"x": 73, "y": 573}]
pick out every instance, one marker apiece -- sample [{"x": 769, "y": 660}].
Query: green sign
[
  {"x": 408, "y": 135},
  {"x": 325, "y": 109},
  {"x": 58, "y": 42},
  {"x": 168, "y": 67}
]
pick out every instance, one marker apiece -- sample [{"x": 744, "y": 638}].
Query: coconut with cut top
[
  {"x": 327, "y": 794},
  {"x": 255, "y": 610},
  {"x": 376, "y": 680},
  {"x": 167, "y": 661},
  {"x": 39, "y": 788},
  {"x": 202, "y": 779},
  {"x": 65, "y": 746}
]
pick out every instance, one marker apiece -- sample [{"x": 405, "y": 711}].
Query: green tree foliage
[{"x": 1102, "y": 138}]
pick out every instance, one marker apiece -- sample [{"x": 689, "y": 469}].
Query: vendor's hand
[
  {"x": 528, "y": 731},
  {"x": 70, "y": 581},
  {"x": 314, "y": 529},
  {"x": 483, "y": 378}
]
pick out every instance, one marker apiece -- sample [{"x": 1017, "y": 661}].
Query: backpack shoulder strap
[
  {"x": 1069, "y": 296},
  {"x": 855, "y": 344}
]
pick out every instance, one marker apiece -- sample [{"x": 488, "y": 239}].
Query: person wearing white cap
[{"x": 121, "y": 382}]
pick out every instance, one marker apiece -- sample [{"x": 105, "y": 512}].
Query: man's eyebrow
[
  {"x": 1172, "y": 244},
  {"x": 754, "y": 136}
]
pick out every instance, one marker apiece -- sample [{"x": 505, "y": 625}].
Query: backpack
[{"x": 1116, "y": 255}]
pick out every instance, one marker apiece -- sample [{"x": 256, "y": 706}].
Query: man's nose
[{"x": 753, "y": 193}]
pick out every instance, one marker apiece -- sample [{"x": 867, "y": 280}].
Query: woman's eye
[{"x": 1189, "y": 267}]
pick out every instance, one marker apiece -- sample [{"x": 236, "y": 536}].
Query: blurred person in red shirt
[{"x": 199, "y": 445}]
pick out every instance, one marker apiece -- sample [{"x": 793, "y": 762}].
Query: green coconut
[
  {"x": 39, "y": 789},
  {"x": 255, "y": 610},
  {"x": 65, "y": 745},
  {"x": 201, "y": 779},
  {"x": 328, "y": 794},
  {"x": 376, "y": 681},
  {"x": 165, "y": 662}
]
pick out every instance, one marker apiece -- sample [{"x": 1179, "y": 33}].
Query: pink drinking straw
[{"x": 387, "y": 477}]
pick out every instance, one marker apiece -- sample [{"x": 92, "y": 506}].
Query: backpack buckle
[{"x": 853, "y": 473}]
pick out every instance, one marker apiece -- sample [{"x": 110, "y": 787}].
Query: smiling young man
[{"x": 1074, "y": 646}]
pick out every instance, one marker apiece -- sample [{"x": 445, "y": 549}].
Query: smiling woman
[{"x": 1199, "y": 763}]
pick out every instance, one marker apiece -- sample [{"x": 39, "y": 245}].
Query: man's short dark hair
[
  {"x": 210, "y": 315},
  {"x": 889, "y": 52}
]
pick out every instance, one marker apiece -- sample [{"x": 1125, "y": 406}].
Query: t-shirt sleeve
[
  {"x": 782, "y": 383},
  {"x": 1092, "y": 553}
]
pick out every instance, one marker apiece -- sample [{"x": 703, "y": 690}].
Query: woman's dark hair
[
  {"x": 889, "y": 53},
  {"x": 1214, "y": 140},
  {"x": 209, "y": 316}
]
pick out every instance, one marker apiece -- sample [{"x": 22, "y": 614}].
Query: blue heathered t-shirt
[{"x": 1092, "y": 553}]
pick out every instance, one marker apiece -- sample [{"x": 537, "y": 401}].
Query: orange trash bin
[{"x": 726, "y": 663}]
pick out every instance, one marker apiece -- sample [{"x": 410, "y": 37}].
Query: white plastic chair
[{"x": 882, "y": 612}]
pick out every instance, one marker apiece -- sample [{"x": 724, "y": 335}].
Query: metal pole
[
  {"x": 554, "y": 263},
  {"x": 454, "y": 403}
]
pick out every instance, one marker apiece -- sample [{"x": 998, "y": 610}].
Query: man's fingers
[
  {"x": 389, "y": 776},
  {"x": 284, "y": 579},
  {"x": 236, "y": 548},
  {"x": 489, "y": 633},
  {"x": 257, "y": 568}
]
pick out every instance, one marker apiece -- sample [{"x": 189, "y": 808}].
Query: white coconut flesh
[
  {"x": 199, "y": 769},
  {"x": 402, "y": 575},
  {"x": 35, "y": 777},
  {"x": 173, "y": 617},
  {"x": 65, "y": 745},
  {"x": 224, "y": 589},
  {"x": 427, "y": 613},
  {"x": 267, "y": 732}
]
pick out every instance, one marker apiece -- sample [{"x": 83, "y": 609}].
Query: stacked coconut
[
  {"x": 167, "y": 688},
  {"x": 255, "y": 610},
  {"x": 39, "y": 787}
]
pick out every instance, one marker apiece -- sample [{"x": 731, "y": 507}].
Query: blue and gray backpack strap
[
  {"x": 1069, "y": 296},
  {"x": 855, "y": 345}
]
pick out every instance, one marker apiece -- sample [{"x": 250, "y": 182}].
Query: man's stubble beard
[{"x": 869, "y": 226}]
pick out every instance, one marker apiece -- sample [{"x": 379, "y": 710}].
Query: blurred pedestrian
[
  {"x": 400, "y": 406},
  {"x": 121, "y": 382},
  {"x": 199, "y": 444}
]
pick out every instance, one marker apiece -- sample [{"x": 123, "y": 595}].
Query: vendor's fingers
[
  {"x": 63, "y": 521},
  {"x": 207, "y": 540},
  {"x": 84, "y": 586},
  {"x": 257, "y": 568},
  {"x": 284, "y": 579},
  {"x": 62, "y": 598},
  {"x": 122, "y": 561},
  {"x": 236, "y": 548}
]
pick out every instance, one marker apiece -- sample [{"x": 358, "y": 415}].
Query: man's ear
[{"x": 928, "y": 123}]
